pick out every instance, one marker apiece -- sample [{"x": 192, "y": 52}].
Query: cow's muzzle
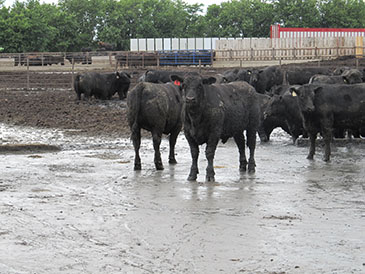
[{"x": 190, "y": 100}]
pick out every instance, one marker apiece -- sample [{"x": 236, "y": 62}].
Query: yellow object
[{"x": 359, "y": 46}]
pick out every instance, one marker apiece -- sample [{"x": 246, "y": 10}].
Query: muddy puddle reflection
[{"x": 84, "y": 210}]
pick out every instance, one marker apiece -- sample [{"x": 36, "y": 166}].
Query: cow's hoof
[
  {"x": 243, "y": 168},
  {"x": 209, "y": 178},
  {"x": 159, "y": 166},
  {"x": 192, "y": 177},
  {"x": 264, "y": 139},
  {"x": 137, "y": 167},
  {"x": 326, "y": 159},
  {"x": 310, "y": 157},
  {"x": 251, "y": 166},
  {"x": 172, "y": 161},
  {"x": 251, "y": 170}
]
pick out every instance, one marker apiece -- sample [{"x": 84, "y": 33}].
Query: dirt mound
[
  {"x": 59, "y": 109},
  {"x": 52, "y": 104}
]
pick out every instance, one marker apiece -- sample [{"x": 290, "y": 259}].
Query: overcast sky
[{"x": 206, "y": 2}]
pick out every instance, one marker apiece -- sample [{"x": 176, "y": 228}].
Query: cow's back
[
  {"x": 155, "y": 106},
  {"x": 240, "y": 105},
  {"x": 345, "y": 102}
]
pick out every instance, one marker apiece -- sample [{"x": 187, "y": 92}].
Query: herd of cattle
[{"x": 302, "y": 101}]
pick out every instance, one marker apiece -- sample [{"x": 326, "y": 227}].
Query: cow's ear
[
  {"x": 117, "y": 75},
  {"x": 177, "y": 78},
  {"x": 344, "y": 78},
  {"x": 294, "y": 91},
  {"x": 209, "y": 80},
  {"x": 249, "y": 72}
]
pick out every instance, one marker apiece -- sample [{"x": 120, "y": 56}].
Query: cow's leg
[
  {"x": 156, "y": 137},
  {"x": 312, "y": 148},
  {"x": 209, "y": 154},
  {"x": 172, "y": 143},
  {"x": 251, "y": 143},
  {"x": 240, "y": 141},
  {"x": 263, "y": 137},
  {"x": 194, "y": 150},
  {"x": 327, "y": 124},
  {"x": 136, "y": 138}
]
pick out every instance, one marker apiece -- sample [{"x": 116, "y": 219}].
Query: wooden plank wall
[{"x": 288, "y": 48}]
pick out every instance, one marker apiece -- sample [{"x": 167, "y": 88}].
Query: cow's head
[
  {"x": 193, "y": 88},
  {"x": 352, "y": 76},
  {"x": 305, "y": 95},
  {"x": 254, "y": 77},
  {"x": 275, "y": 107},
  {"x": 244, "y": 75},
  {"x": 123, "y": 81}
]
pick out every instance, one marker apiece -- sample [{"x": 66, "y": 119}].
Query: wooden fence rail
[{"x": 266, "y": 54}]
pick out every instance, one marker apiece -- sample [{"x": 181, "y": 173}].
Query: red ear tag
[{"x": 177, "y": 83}]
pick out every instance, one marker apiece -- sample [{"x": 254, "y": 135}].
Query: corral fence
[
  {"x": 56, "y": 70},
  {"x": 299, "y": 48}
]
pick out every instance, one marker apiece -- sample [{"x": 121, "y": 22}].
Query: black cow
[
  {"x": 102, "y": 86},
  {"x": 237, "y": 75},
  {"x": 301, "y": 76},
  {"x": 325, "y": 107},
  {"x": 285, "y": 108},
  {"x": 264, "y": 79},
  {"x": 269, "y": 122},
  {"x": 230, "y": 75},
  {"x": 351, "y": 76},
  {"x": 219, "y": 111},
  {"x": 162, "y": 76},
  {"x": 83, "y": 58},
  {"x": 156, "y": 108},
  {"x": 340, "y": 70}
]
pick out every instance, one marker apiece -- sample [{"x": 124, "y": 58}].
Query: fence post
[
  {"x": 251, "y": 57},
  {"x": 72, "y": 74},
  {"x": 240, "y": 63},
  {"x": 42, "y": 59},
  {"x": 357, "y": 63},
  {"x": 110, "y": 59},
  {"x": 28, "y": 87}
]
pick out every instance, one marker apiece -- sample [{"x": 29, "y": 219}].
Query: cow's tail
[{"x": 134, "y": 104}]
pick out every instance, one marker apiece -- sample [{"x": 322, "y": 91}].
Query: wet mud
[
  {"x": 84, "y": 210},
  {"x": 81, "y": 208}
]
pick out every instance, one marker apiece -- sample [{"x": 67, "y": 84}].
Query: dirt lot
[{"x": 70, "y": 201}]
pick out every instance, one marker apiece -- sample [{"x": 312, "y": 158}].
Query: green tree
[
  {"x": 87, "y": 15},
  {"x": 244, "y": 18},
  {"x": 297, "y": 13},
  {"x": 342, "y": 13}
]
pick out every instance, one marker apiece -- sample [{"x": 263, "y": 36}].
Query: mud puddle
[{"x": 84, "y": 210}]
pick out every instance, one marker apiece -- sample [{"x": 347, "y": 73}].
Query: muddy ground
[{"x": 70, "y": 201}]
